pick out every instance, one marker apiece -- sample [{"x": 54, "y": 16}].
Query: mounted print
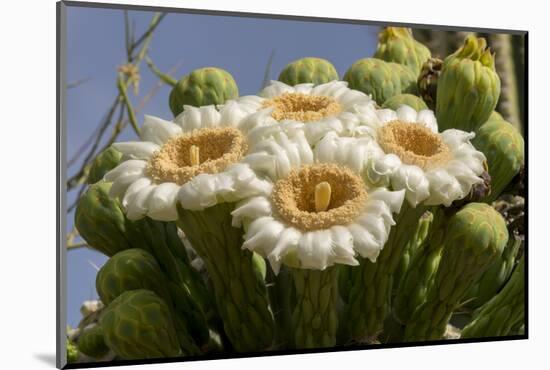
[{"x": 238, "y": 185}]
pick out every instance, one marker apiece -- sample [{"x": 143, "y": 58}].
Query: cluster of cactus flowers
[{"x": 320, "y": 212}]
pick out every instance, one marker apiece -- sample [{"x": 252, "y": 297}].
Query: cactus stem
[{"x": 322, "y": 196}]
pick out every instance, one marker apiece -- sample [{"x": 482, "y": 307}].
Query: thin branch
[
  {"x": 166, "y": 78},
  {"x": 152, "y": 26},
  {"x": 102, "y": 125},
  {"x": 131, "y": 114},
  {"x": 72, "y": 85},
  {"x": 267, "y": 72}
]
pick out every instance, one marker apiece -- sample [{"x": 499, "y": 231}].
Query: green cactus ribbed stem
[
  {"x": 314, "y": 316},
  {"x": 503, "y": 312},
  {"x": 186, "y": 286},
  {"x": 474, "y": 238},
  {"x": 103, "y": 163},
  {"x": 369, "y": 298},
  {"x": 281, "y": 293},
  {"x": 421, "y": 234},
  {"x": 494, "y": 278},
  {"x": 239, "y": 286},
  {"x": 418, "y": 278}
]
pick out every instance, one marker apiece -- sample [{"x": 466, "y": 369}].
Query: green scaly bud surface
[
  {"x": 100, "y": 220},
  {"x": 475, "y": 237},
  {"x": 494, "y": 278},
  {"x": 503, "y": 312},
  {"x": 314, "y": 316},
  {"x": 380, "y": 79},
  {"x": 72, "y": 352},
  {"x": 503, "y": 147},
  {"x": 238, "y": 280},
  {"x": 92, "y": 343},
  {"x": 308, "y": 70},
  {"x": 468, "y": 87},
  {"x": 129, "y": 270},
  {"x": 412, "y": 101},
  {"x": 138, "y": 325},
  {"x": 203, "y": 86},
  {"x": 103, "y": 163},
  {"x": 397, "y": 44}
]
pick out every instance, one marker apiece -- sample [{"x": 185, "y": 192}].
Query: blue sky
[{"x": 242, "y": 46}]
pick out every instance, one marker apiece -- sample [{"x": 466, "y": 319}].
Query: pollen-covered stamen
[
  {"x": 322, "y": 196},
  {"x": 206, "y": 150},
  {"x": 414, "y": 144},
  {"x": 302, "y": 107},
  {"x": 319, "y": 196},
  {"x": 194, "y": 156}
]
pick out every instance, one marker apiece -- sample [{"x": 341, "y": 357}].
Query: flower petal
[
  {"x": 136, "y": 149},
  {"x": 157, "y": 130}
]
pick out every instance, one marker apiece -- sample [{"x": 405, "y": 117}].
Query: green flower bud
[
  {"x": 412, "y": 101},
  {"x": 138, "y": 325},
  {"x": 308, "y": 70},
  {"x": 129, "y": 270},
  {"x": 503, "y": 146},
  {"x": 380, "y": 79},
  {"x": 427, "y": 81},
  {"x": 92, "y": 343},
  {"x": 100, "y": 220},
  {"x": 72, "y": 352},
  {"x": 203, "y": 86},
  {"x": 396, "y": 44},
  {"x": 503, "y": 312},
  {"x": 475, "y": 237},
  {"x": 103, "y": 163},
  {"x": 468, "y": 88}
]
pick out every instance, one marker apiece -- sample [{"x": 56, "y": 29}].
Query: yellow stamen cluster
[
  {"x": 302, "y": 107},
  {"x": 319, "y": 196},
  {"x": 414, "y": 144},
  {"x": 206, "y": 150}
]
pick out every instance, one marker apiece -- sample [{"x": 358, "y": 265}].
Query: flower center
[
  {"x": 206, "y": 150},
  {"x": 302, "y": 107},
  {"x": 319, "y": 196},
  {"x": 414, "y": 143}
]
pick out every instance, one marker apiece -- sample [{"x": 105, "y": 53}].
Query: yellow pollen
[
  {"x": 319, "y": 196},
  {"x": 414, "y": 144},
  {"x": 206, "y": 150},
  {"x": 322, "y": 196},
  {"x": 302, "y": 107},
  {"x": 194, "y": 155}
]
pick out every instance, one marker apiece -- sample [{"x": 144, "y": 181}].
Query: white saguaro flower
[
  {"x": 320, "y": 211},
  {"x": 434, "y": 168},
  {"x": 314, "y": 109},
  {"x": 194, "y": 161}
]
